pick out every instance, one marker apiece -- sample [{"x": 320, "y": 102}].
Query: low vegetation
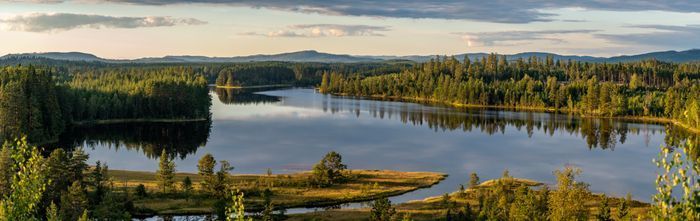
[
  {"x": 287, "y": 190},
  {"x": 506, "y": 198}
]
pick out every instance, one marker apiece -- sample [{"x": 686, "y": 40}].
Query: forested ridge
[
  {"x": 298, "y": 74},
  {"x": 640, "y": 89},
  {"x": 40, "y": 102}
]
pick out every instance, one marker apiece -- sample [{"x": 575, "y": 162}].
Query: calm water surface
[{"x": 288, "y": 130}]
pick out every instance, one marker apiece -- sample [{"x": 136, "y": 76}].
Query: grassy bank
[
  {"x": 288, "y": 190},
  {"x": 433, "y": 208}
]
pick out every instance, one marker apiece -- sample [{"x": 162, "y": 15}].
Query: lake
[{"x": 290, "y": 129}]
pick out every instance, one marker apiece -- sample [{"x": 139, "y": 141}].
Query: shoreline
[
  {"x": 138, "y": 120},
  {"x": 433, "y": 206},
  {"x": 290, "y": 197},
  {"x": 646, "y": 119},
  {"x": 253, "y": 86}
]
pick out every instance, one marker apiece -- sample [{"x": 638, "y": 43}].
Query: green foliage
[
  {"x": 269, "y": 208},
  {"x": 166, "y": 173},
  {"x": 34, "y": 104},
  {"x": 324, "y": 83},
  {"x": 27, "y": 185},
  {"x": 406, "y": 217},
  {"x": 6, "y": 171},
  {"x": 187, "y": 187},
  {"x": 529, "y": 205},
  {"x": 141, "y": 191},
  {"x": 680, "y": 172},
  {"x": 566, "y": 202},
  {"x": 473, "y": 180},
  {"x": 623, "y": 209},
  {"x": 73, "y": 202},
  {"x": 465, "y": 214},
  {"x": 165, "y": 93},
  {"x": 255, "y": 75},
  {"x": 98, "y": 180},
  {"x": 604, "y": 213},
  {"x": 206, "y": 165},
  {"x": 112, "y": 207},
  {"x": 29, "y": 105},
  {"x": 56, "y": 170},
  {"x": 52, "y": 213},
  {"x": 645, "y": 89},
  {"x": 84, "y": 217},
  {"x": 329, "y": 170},
  {"x": 236, "y": 212},
  {"x": 382, "y": 210},
  {"x": 216, "y": 184}
]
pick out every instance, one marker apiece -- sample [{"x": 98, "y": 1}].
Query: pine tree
[
  {"x": 623, "y": 208},
  {"x": 565, "y": 202},
  {"x": 604, "y": 209},
  {"x": 84, "y": 217},
  {"x": 187, "y": 187},
  {"x": 324, "y": 83},
  {"x": 473, "y": 180},
  {"x": 6, "y": 170},
  {"x": 382, "y": 210},
  {"x": 206, "y": 169},
  {"x": 73, "y": 202},
  {"x": 52, "y": 213},
  {"x": 166, "y": 173},
  {"x": 329, "y": 170}
]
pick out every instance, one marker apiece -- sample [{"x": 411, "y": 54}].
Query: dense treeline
[
  {"x": 39, "y": 102},
  {"x": 137, "y": 93},
  {"x": 29, "y": 104},
  {"x": 299, "y": 74},
  {"x": 255, "y": 75},
  {"x": 648, "y": 88}
]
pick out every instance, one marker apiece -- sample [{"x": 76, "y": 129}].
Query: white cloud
[
  {"x": 49, "y": 22},
  {"x": 509, "y": 38},
  {"x": 325, "y": 30},
  {"x": 676, "y": 37}
]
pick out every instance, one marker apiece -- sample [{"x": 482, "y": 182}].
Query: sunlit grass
[{"x": 289, "y": 190}]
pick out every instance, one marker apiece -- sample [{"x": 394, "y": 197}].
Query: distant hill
[
  {"x": 300, "y": 56},
  {"x": 68, "y": 56},
  {"x": 673, "y": 56},
  {"x": 315, "y": 56}
]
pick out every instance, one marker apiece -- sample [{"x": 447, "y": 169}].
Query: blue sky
[{"x": 145, "y": 28}]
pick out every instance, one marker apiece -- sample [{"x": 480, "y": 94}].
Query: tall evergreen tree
[{"x": 166, "y": 173}]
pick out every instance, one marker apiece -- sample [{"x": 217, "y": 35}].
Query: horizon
[
  {"x": 354, "y": 55},
  {"x": 128, "y": 29}
]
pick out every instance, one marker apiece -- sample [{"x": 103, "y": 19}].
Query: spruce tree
[{"x": 166, "y": 173}]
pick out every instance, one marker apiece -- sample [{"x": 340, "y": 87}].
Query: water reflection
[
  {"x": 288, "y": 130},
  {"x": 244, "y": 96},
  {"x": 179, "y": 139},
  {"x": 602, "y": 133}
]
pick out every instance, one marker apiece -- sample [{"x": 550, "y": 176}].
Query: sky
[{"x": 125, "y": 29}]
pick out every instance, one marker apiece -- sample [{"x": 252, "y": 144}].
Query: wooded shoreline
[{"x": 646, "y": 119}]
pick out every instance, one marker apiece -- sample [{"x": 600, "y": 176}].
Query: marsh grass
[{"x": 288, "y": 190}]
